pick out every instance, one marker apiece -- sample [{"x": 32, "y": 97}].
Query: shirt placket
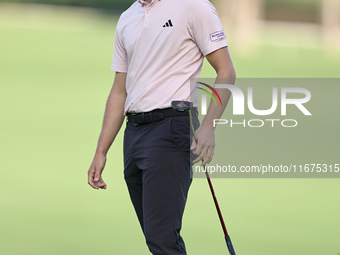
[{"x": 147, "y": 12}]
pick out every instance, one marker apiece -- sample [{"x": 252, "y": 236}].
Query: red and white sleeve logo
[{"x": 217, "y": 36}]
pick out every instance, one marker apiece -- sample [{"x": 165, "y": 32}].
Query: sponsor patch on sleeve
[{"x": 217, "y": 36}]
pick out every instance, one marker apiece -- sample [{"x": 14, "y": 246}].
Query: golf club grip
[{"x": 230, "y": 245}]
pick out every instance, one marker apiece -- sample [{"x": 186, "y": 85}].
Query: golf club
[{"x": 182, "y": 106}]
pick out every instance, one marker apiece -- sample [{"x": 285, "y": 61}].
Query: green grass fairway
[{"x": 54, "y": 79}]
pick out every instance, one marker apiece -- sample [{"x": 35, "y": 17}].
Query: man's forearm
[
  {"x": 113, "y": 119},
  {"x": 114, "y": 114},
  {"x": 216, "y": 111}
]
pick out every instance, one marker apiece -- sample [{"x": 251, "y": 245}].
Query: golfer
[{"x": 159, "y": 46}]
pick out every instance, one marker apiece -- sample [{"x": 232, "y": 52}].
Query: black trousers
[{"x": 158, "y": 175}]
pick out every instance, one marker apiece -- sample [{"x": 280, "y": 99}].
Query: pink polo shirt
[{"x": 161, "y": 46}]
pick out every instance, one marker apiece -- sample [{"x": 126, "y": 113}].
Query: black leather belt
[{"x": 157, "y": 115}]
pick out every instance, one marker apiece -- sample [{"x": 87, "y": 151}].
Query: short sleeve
[
  {"x": 120, "y": 58},
  {"x": 205, "y": 27}
]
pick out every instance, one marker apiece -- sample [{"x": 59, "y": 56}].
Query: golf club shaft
[
  {"x": 192, "y": 125},
  {"x": 227, "y": 237},
  {"x": 210, "y": 184},
  {"x": 216, "y": 204}
]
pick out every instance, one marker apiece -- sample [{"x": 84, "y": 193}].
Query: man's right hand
[{"x": 95, "y": 172}]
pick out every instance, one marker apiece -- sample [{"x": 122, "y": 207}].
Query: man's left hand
[{"x": 205, "y": 146}]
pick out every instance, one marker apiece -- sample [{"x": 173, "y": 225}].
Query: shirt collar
[{"x": 144, "y": 2}]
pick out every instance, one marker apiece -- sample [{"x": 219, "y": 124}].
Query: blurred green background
[{"x": 54, "y": 79}]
